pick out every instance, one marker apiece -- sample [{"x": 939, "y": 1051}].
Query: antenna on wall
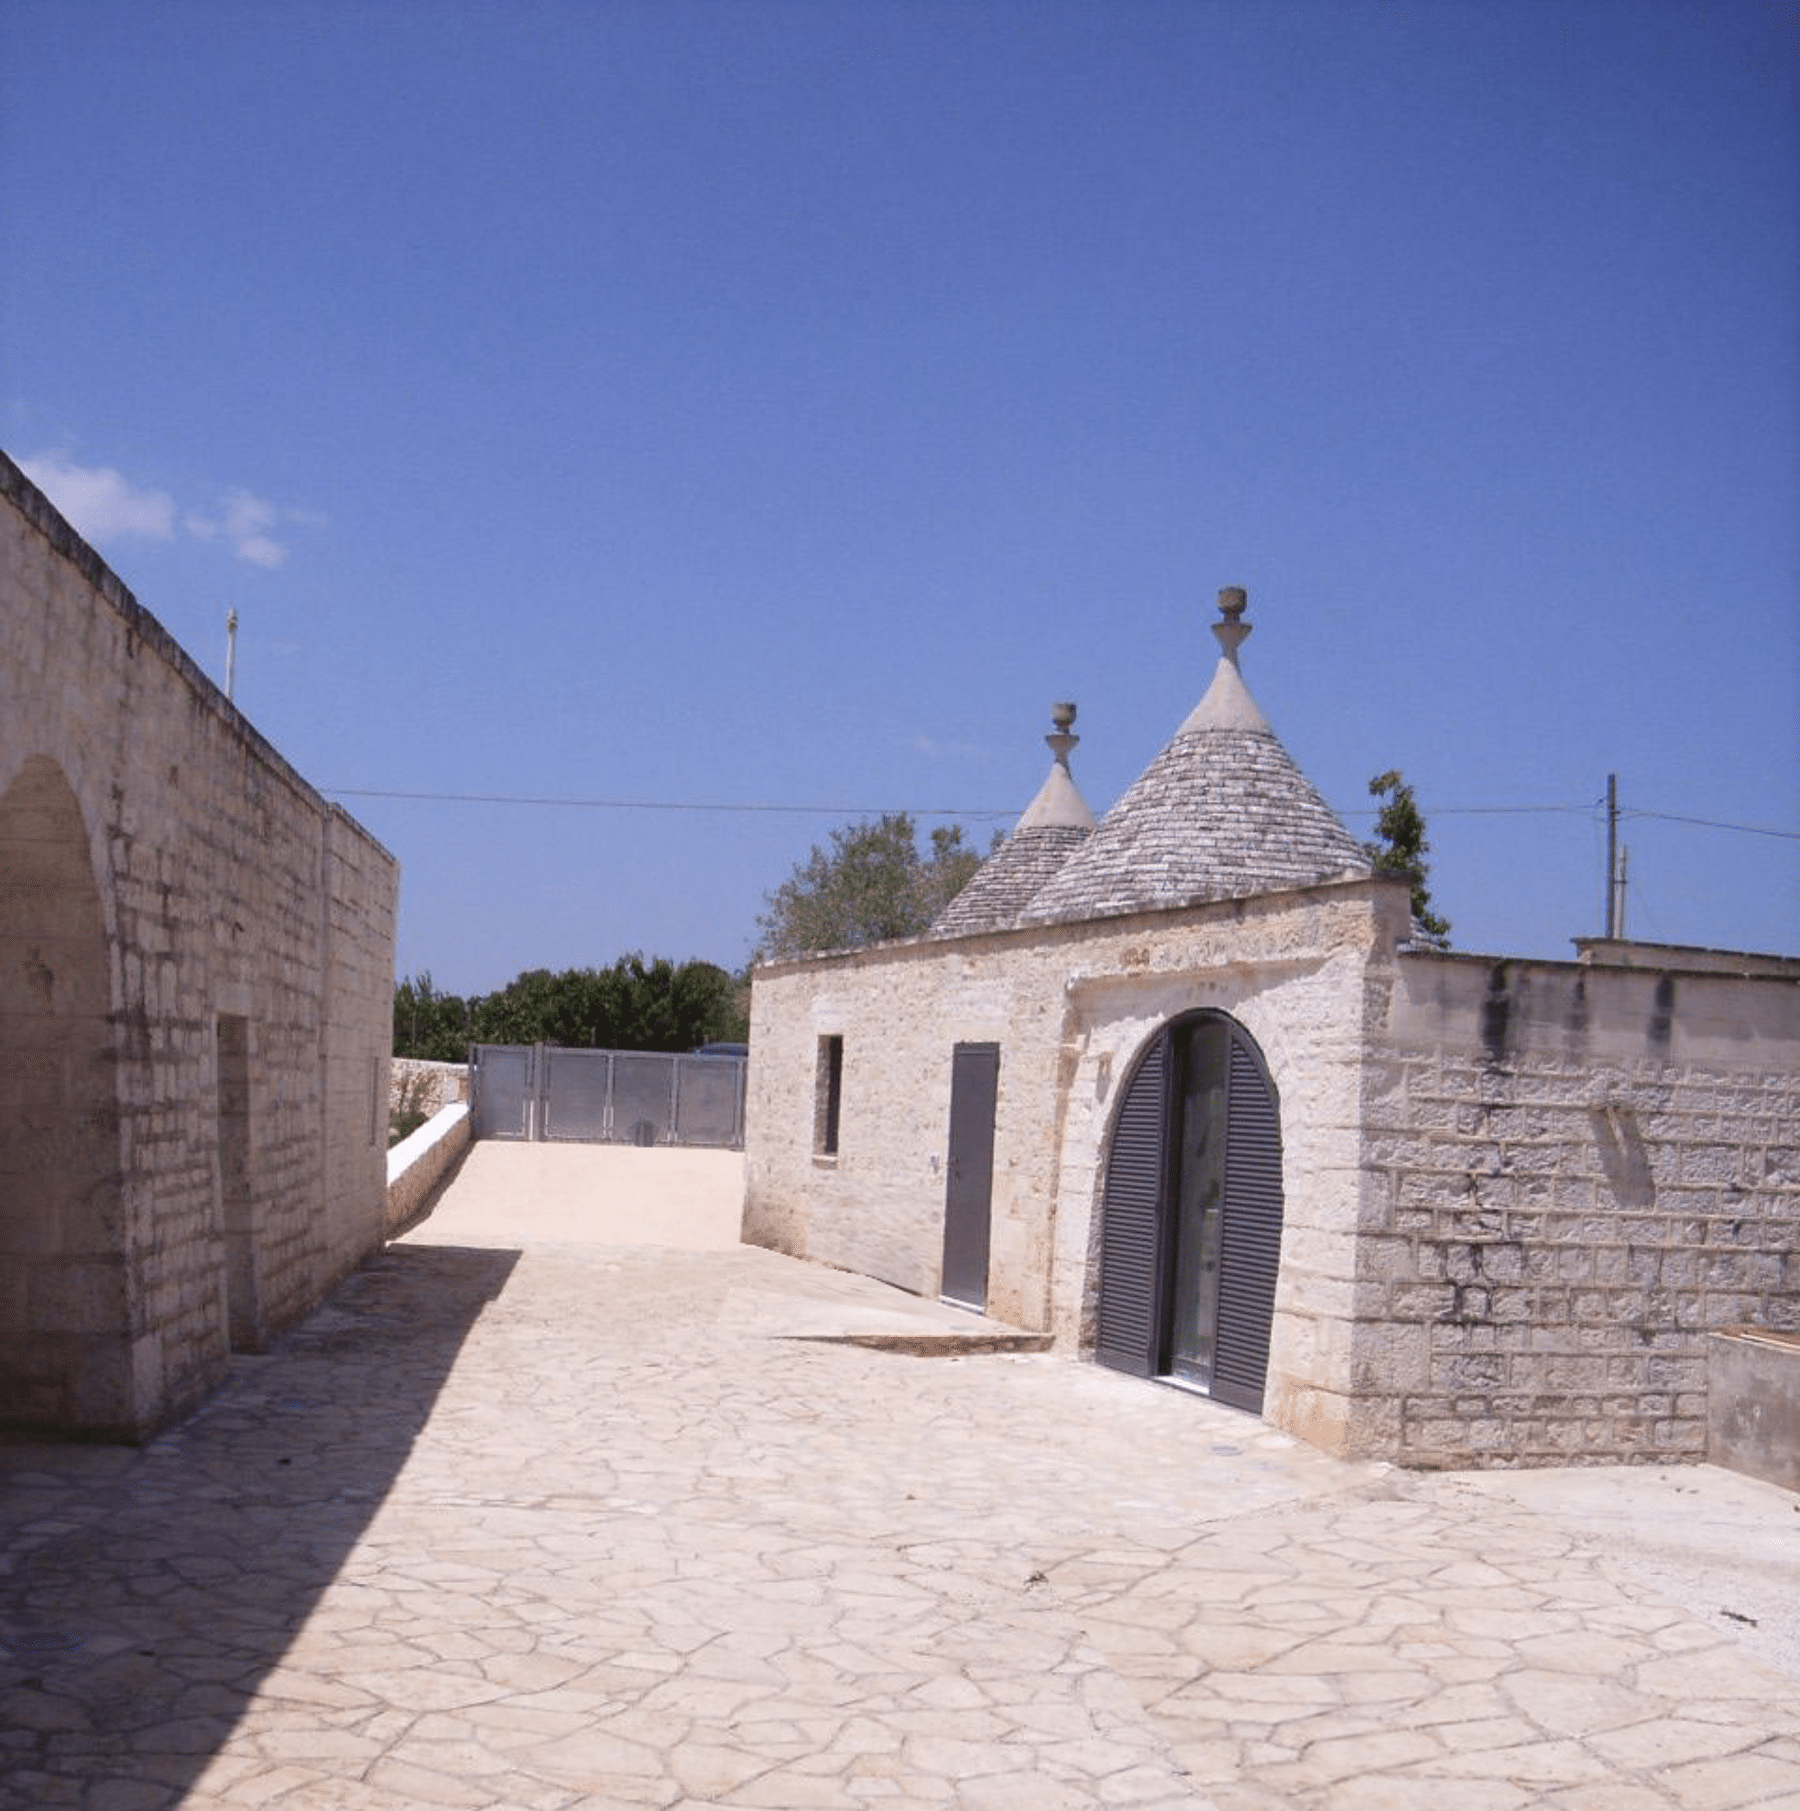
[{"x": 230, "y": 651}]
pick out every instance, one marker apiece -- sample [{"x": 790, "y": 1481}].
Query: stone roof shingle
[
  {"x": 1055, "y": 824},
  {"x": 1221, "y": 813},
  {"x": 1009, "y": 880}
]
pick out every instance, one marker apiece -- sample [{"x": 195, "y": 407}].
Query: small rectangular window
[{"x": 828, "y": 1095}]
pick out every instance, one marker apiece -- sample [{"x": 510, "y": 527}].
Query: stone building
[
  {"x": 1180, "y": 1090},
  {"x": 196, "y": 983}
]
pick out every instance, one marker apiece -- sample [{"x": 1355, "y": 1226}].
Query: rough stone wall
[
  {"x": 1575, "y": 1172},
  {"x": 242, "y": 928},
  {"x": 426, "y": 1085},
  {"x": 1071, "y": 1007}
]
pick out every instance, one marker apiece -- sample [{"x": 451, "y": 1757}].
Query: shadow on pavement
[{"x": 146, "y": 1594}]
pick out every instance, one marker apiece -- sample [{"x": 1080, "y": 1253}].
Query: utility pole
[
  {"x": 1624, "y": 863},
  {"x": 1611, "y": 916},
  {"x": 230, "y": 650}
]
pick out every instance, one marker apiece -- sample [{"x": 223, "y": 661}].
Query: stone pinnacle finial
[
  {"x": 1061, "y": 739},
  {"x": 1231, "y": 629}
]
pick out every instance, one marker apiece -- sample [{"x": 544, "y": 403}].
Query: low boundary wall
[
  {"x": 419, "y": 1162},
  {"x": 412, "y": 1081},
  {"x": 1753, "y": 1404}
]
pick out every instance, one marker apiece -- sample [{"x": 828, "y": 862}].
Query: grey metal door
[
  {"x": 1191, "y": 1214},
  {"x": 1128, "y": 1335},
  {"x": 1250, "y": 1243},
  {"x": 968, "y": 1186}
]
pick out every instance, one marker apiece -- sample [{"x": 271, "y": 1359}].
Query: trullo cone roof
[
  {"x": 1053, "y": 826},
  {"x": 1221, "y": 813}
]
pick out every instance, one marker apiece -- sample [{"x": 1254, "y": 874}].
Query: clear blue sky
[{"x": 781, "y": 403}]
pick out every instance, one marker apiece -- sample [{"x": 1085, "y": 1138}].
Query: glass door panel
[{"x": 1200, "y": 1050}]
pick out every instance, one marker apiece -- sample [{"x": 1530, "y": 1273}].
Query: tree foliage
[
  {"x": 1402, "y": 849},
  {"x": 428, "y": 1024},
  {"x": 636, "y": 1004},
  {"x": 872, "y": 883}
]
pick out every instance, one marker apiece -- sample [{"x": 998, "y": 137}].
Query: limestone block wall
[
  {"x": 1071, "y": 1007},
  {"x": 1575, "y": 1173},
  {"x": 1292, "y": 970},
  {"x": 429, "y": 1086},
  {"x": 196, "y": 962}
]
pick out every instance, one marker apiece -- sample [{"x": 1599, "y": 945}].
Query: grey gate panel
[
  {"x": 503, "y": 1090},
  {"x": 709, "y": 1100},
  {"x": 546, "y": 1091},
  {"x": 643, "y": 1097},
  {"x": 577, "y": 1094},
  {"x": 969, "y": 1181}
]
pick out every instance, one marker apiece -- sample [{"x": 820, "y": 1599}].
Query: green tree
[
  {"x": 870, "y": 885},
  {"x": 636, "y": 1004},
  {"x": 429, "y": 1024},
  {"x": 1402, "y": 849}
]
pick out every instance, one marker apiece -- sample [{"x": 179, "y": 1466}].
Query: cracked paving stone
[{"x": 572, "y": 1527}]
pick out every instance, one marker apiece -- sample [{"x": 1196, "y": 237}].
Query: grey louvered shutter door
[
  {"x": 1250, "y": 1245},
  {"x": 1128, "y": 1322}
]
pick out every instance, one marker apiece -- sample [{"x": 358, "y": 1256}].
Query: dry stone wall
[
  {"x": 1576, "y": 1172},
  {"x": 197, "y": 951},
  {"x": 427, "y": 1087}
]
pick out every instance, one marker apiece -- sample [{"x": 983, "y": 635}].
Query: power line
[
  {"x": 1707, "y": 823},
  {"x": 988, "y": 812},
  {"x": 500, "y": 798},
  {"x": 1477, "y": 810}
]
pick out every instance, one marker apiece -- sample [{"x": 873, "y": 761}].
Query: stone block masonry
[
  {"x": 426, "y": 1086},
  {"x": 1071, "y": 1007},
  {"x": 1518, "y": 1195},
  {"x": 1575, "y": 1175},
  {"x": 196, "y": 975}
]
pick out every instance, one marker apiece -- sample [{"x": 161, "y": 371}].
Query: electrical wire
[
  {"x": 1707, "y": 823},
  {"x": 498, "y": 798},
  {"x": 988, "y": 813}
]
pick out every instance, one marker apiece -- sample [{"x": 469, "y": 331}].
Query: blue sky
[{"x": 779, "y": 404}]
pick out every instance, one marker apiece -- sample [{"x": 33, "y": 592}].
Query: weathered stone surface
[
  {"x": 528, "y": 1517},
  {"x": 196, "y": 972}
]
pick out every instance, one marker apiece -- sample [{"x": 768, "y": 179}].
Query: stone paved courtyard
[{"x": 541, "y": 1513}]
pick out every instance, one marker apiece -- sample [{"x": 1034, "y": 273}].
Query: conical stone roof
[
  {"x": 1221, "y": 813},
  {"x": 1052, "y": 827}
]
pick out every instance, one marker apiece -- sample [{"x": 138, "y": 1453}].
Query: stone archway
[{"x": 65, "y": 1346}]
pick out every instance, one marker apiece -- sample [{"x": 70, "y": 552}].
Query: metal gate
[{"x": 645, "y": 1097}]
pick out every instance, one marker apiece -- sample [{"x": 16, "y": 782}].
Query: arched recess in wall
[
  {"x": 65, "y": 1348},
  {"x": 1191, "y": 1210}
]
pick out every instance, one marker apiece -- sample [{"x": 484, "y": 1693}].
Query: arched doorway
[
  {"x": 1190, "y": 1237},
  {"x": 65, "y": 1355}
]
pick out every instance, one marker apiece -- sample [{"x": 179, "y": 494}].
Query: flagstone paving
[{"x": 582, "y": 1526}]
